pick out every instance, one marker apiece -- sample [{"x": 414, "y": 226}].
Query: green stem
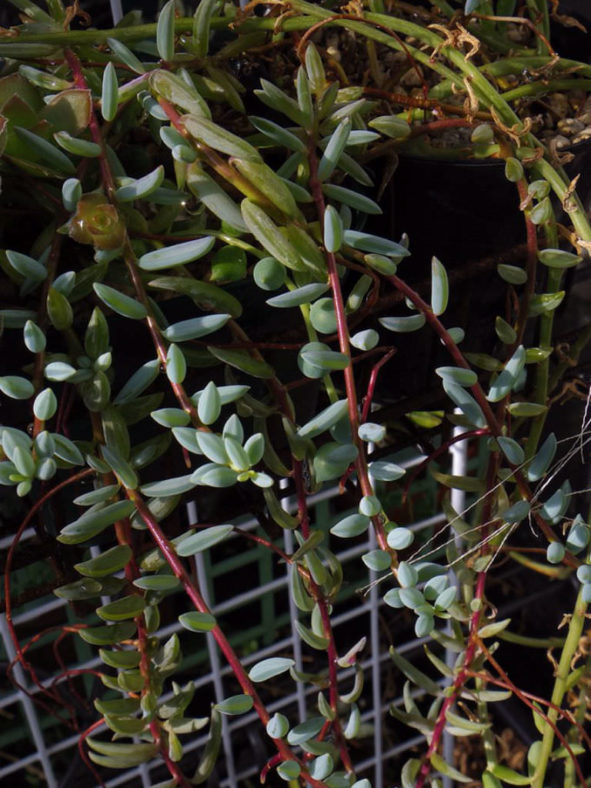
[
  {"x": 545, "y": 341},
  {"x": 535, "y": 88},
  {"x": 575, "y": 630},
  {"x": 574, "y": 733}
]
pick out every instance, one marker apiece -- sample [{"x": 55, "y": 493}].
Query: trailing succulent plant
[{"x": 143, "y": 190}]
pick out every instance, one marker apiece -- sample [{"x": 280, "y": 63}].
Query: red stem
[
  {"x": 332, "y": 654},
  {"x": 192, "y": 591},
  {"x": 343, "y": 335},
  {"x": 8, "y": 566}
]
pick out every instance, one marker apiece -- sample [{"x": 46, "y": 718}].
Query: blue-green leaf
[
  {"x": 197, "y": 622},
  {"x": 324, "y": 420},
  {"x": 110, "y": 93},
  {"x": 16, "y": 387},
  {"x": 512, "y": 450},
  {"x": 168, "y": 487},
  {"x": 557, "y": 258},
  {"x": 237, "y": 704},
  {"x": 45, "y": 151},
  {"x": 301, "y": 295},
  {"x": 439, "y": 287},
  {"x": 334, "y": 149},
  {"x": 120, "y": 303},
  {"x": 94, "y": 522},
  {"x": 403, "y": 325},
  {"x": 400, "y": 538},
  {"x": 509, "y": 377},
  {"x": 138, "y": 189},
  {"x": 179, "y": 254},
  {"x": 269, "y": 668},
  {"x": 374, "y": 244},
  {"x": 176, "y": 364},
  {"x": 353, "y": 525},
  {"x": 351, "y": 198},
  {"x": 458, "y": 375},
  {"x": 138, "y": 382},
  {"x": 165, "y": 31},
  {"x": 385, "y": 471},
  {"x": 203, "y": 540},
  {"x": 333, "y": 229},
  {"x": 26, "y": 266},
  {"x": 278, "y": 134},
  {"x": 125, "y": 55},
  {"x": 45, "y": 404}
]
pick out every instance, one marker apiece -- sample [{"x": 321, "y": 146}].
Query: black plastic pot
[{"x": 467, "y": 214}]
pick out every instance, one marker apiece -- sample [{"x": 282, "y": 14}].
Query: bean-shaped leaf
[
  {"x": 351, "y": 198},
  {"x": 324, "y": 420},
  {"x": 108, "y": 635},
  {"x": 374, "y": 244},
  {"x": 439, "y": 287},
  {"x": 197, "y": 622},
  {"x": 301, "y": 295},
  {"x": 44, "y": 152},
  {"x": 138, "y": 382},
  {"x": 121, "y": 609},
  {"x": 109, "y": 93},
  {"x": 26, "y": 266},
  {"x": 353, "y": 525},
  {"x": 77, "y": 146},
  {"x": 120, "y": 303},
  {"x": 125, "y": 55},
  {"x": 140, "y": 188},
  {"x": 386, "y": 471},
  {"x": 237, "y": 704},
  {"x": 268, "y": 235},
  {"x": 165, "y": 31},
  {"x": 333, "y": 229},
  {"x": 543, "y": 459},
  {"x": 278, "y": 134},
  {"x": 269, "y": 668},
  {"x": 168, "y": 487},
  {"x": 509, "y": 377},
  {"x": 201, "y": 26},
  {"x": 94, "y": 522},
  {"x": 391, "y": 126},
  {"x": 466, "y": 402},
  {"x": 458, "y": 375},
  {"x": 512, "y": 450},
  {"x": 106, "y": 563},
  {"x": 207, "y": 296},
  {"x": 16, "y": 387},
  {"x": 403, "y": 325},
  {"x": 219, "y": 138},
  {"x": 211, "y": 194},
  {"x": 557, "y": 258},
  {"x": 203, "y": 540},
  {"x": 334, "y": 149},
  {"x": 179, "y": 254},
  {"x": 269, "y": 184}
]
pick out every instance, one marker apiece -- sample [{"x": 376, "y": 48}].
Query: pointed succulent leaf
[
  {"x": 94, "y": 522},
  {"x": 237, "y": 704},
  {"x": 203, "y": 540},
  {"x": 178, "y": 254},
  {"x": 197, "y": 622},
  {"x": 403, "y": 324},
  {"x": 269, "y": 668}
]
